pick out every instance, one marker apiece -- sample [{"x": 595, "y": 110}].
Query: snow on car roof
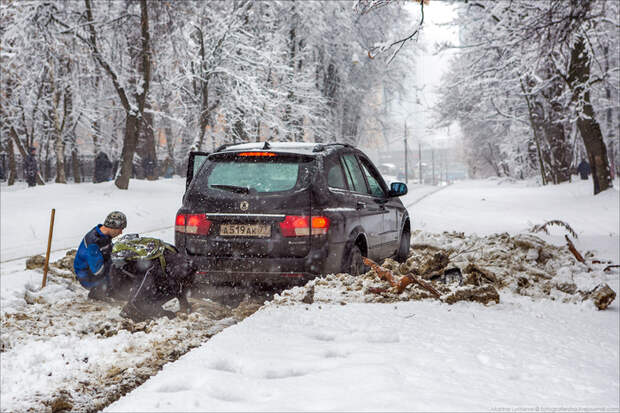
[
  {"x": 273, "y": 145},
  {"x": 306, "y": 148}
]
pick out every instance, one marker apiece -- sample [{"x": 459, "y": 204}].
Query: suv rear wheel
[{"x": 354, "y": 264}]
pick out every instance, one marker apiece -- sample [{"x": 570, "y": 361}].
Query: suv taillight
[
  {"x": 192, "y": 224},
  {"x": 298, "y": 226}
]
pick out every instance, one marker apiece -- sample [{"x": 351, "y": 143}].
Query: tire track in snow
[{"x": 426, "y": 196}]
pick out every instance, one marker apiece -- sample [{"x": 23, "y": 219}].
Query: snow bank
[{"x": 494, "y": 206}]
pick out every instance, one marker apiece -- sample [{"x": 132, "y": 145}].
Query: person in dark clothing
[
  {"x": 30, "y": 168},
  {"x": 584, "y": 169},
  {"x": 103, "y": 168},
  {"x": 93, "y": 258},
  {"x": 162, "y": 281}
]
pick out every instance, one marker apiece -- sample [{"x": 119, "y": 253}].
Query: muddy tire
[
  {"x": 403, "y": 247},
  {"x": 354, "y": 264}
]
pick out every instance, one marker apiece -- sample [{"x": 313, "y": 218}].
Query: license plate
[{"x": 245, "y": 230}]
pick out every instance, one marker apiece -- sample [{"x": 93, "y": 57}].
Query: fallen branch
[
  {"x": 609, "y": 267},
  {"x": 387, "y": 275},
  {"x": 382, "y": 273},
  {"x": 571, "y": 248},
  {"x": 556, "y": 222},
  {"x": 424, "y": 285}
]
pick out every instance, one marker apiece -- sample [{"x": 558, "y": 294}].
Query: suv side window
[
  {"x": 355, "y": 174},
  {"x": 373, "y": 180},
  {"x": 335, "y": 175}
]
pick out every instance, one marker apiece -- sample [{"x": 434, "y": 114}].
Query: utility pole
[
  {"x": 433, "y": 161},
  {"x": 420, "y": 161},
  {"x": 406, "y": 171},
  {"x": 445, "y": 165}
]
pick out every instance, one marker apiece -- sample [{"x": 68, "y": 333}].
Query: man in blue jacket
[{"x": 93, "y": 259}]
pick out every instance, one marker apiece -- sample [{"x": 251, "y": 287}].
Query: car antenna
[{"x": 266, "y": 146}]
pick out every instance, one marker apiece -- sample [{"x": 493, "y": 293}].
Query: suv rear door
[
  {"x": 370, "y": 211},
  {"x": 195, "y": 161},
  {"x": 379, "y": 192}
]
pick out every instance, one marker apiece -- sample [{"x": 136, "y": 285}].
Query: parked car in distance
[{"x": 282, "y": 213}]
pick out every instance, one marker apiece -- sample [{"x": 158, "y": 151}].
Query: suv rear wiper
[{"x": 233, "y": 188}]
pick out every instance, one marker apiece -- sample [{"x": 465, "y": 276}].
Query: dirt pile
[{"x": 452, "y": 267}]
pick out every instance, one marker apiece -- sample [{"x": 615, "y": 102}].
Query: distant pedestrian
[
  {"x": 168, "y": 168},
  {"x": 103, "y": 168},
  {"x": 30, "y": 167},
  {"x": 584, "y": 169}
]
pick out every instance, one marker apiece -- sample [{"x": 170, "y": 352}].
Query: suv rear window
[{"x": 262, "y": 174}]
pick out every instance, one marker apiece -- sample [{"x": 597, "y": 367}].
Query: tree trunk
[
  {"x": 59, "y": 149},
  {"x": 146, "y": 145},
  {"x": 589, "y": 128},
  {"x": 595, "y": 146},
  {"x": 12, "y": 167},
  {"x": 47, "y": 164},
  {"x": 130, "y": 141},
  {"x": 75, "y": 166},
  {"x": 533, "y": 125}
]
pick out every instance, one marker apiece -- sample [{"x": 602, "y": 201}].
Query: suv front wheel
[{"x": 404, "y": 246}]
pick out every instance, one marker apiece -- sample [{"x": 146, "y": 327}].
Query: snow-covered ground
[
  {"x": 411, "y": 356},
  {"x": 415, "y": 355}
]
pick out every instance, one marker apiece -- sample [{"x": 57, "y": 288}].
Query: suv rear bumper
[{"x": 267, "y": 270}]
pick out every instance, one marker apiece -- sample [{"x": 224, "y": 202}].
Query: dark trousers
[{"x": 148, "y": 297}]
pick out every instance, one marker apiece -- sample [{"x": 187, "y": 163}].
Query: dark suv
[{"x": 281, "y": 213}]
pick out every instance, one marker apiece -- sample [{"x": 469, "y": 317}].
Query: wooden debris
[
  {"x": 609, "y": 267},
  {"x": 399, "y": 285},
  {"x": 478, "y": 276},
  {"x": 571, "y": 248},
  {"x": 602, "y": 296},
  {"x": 601, "y": 262},
  {"x": 422, "y": 284},
  {"x": 483, "y": 295},
  {"x": 382, "y": 273}
]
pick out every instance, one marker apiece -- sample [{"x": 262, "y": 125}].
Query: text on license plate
[{"x": 251, "y": 230}]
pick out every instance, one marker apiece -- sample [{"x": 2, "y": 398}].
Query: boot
[
  {"x": 99, "y": 293},
  {"x": 133, "y": 313}
]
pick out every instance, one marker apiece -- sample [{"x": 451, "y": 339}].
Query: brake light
[
  {"x": 299, "y": 226},
  {"x": 179, "y": 223},
  {"x": 257, "y": 154},
  {"x": 192, "y": 224}
]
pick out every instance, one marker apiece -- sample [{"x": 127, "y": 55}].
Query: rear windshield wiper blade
[{"x": 233, "y": 188}]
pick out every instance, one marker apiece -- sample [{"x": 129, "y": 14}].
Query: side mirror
[
  {"x": 398, "y": 189},
  {"x": 195, "y": 161}
]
